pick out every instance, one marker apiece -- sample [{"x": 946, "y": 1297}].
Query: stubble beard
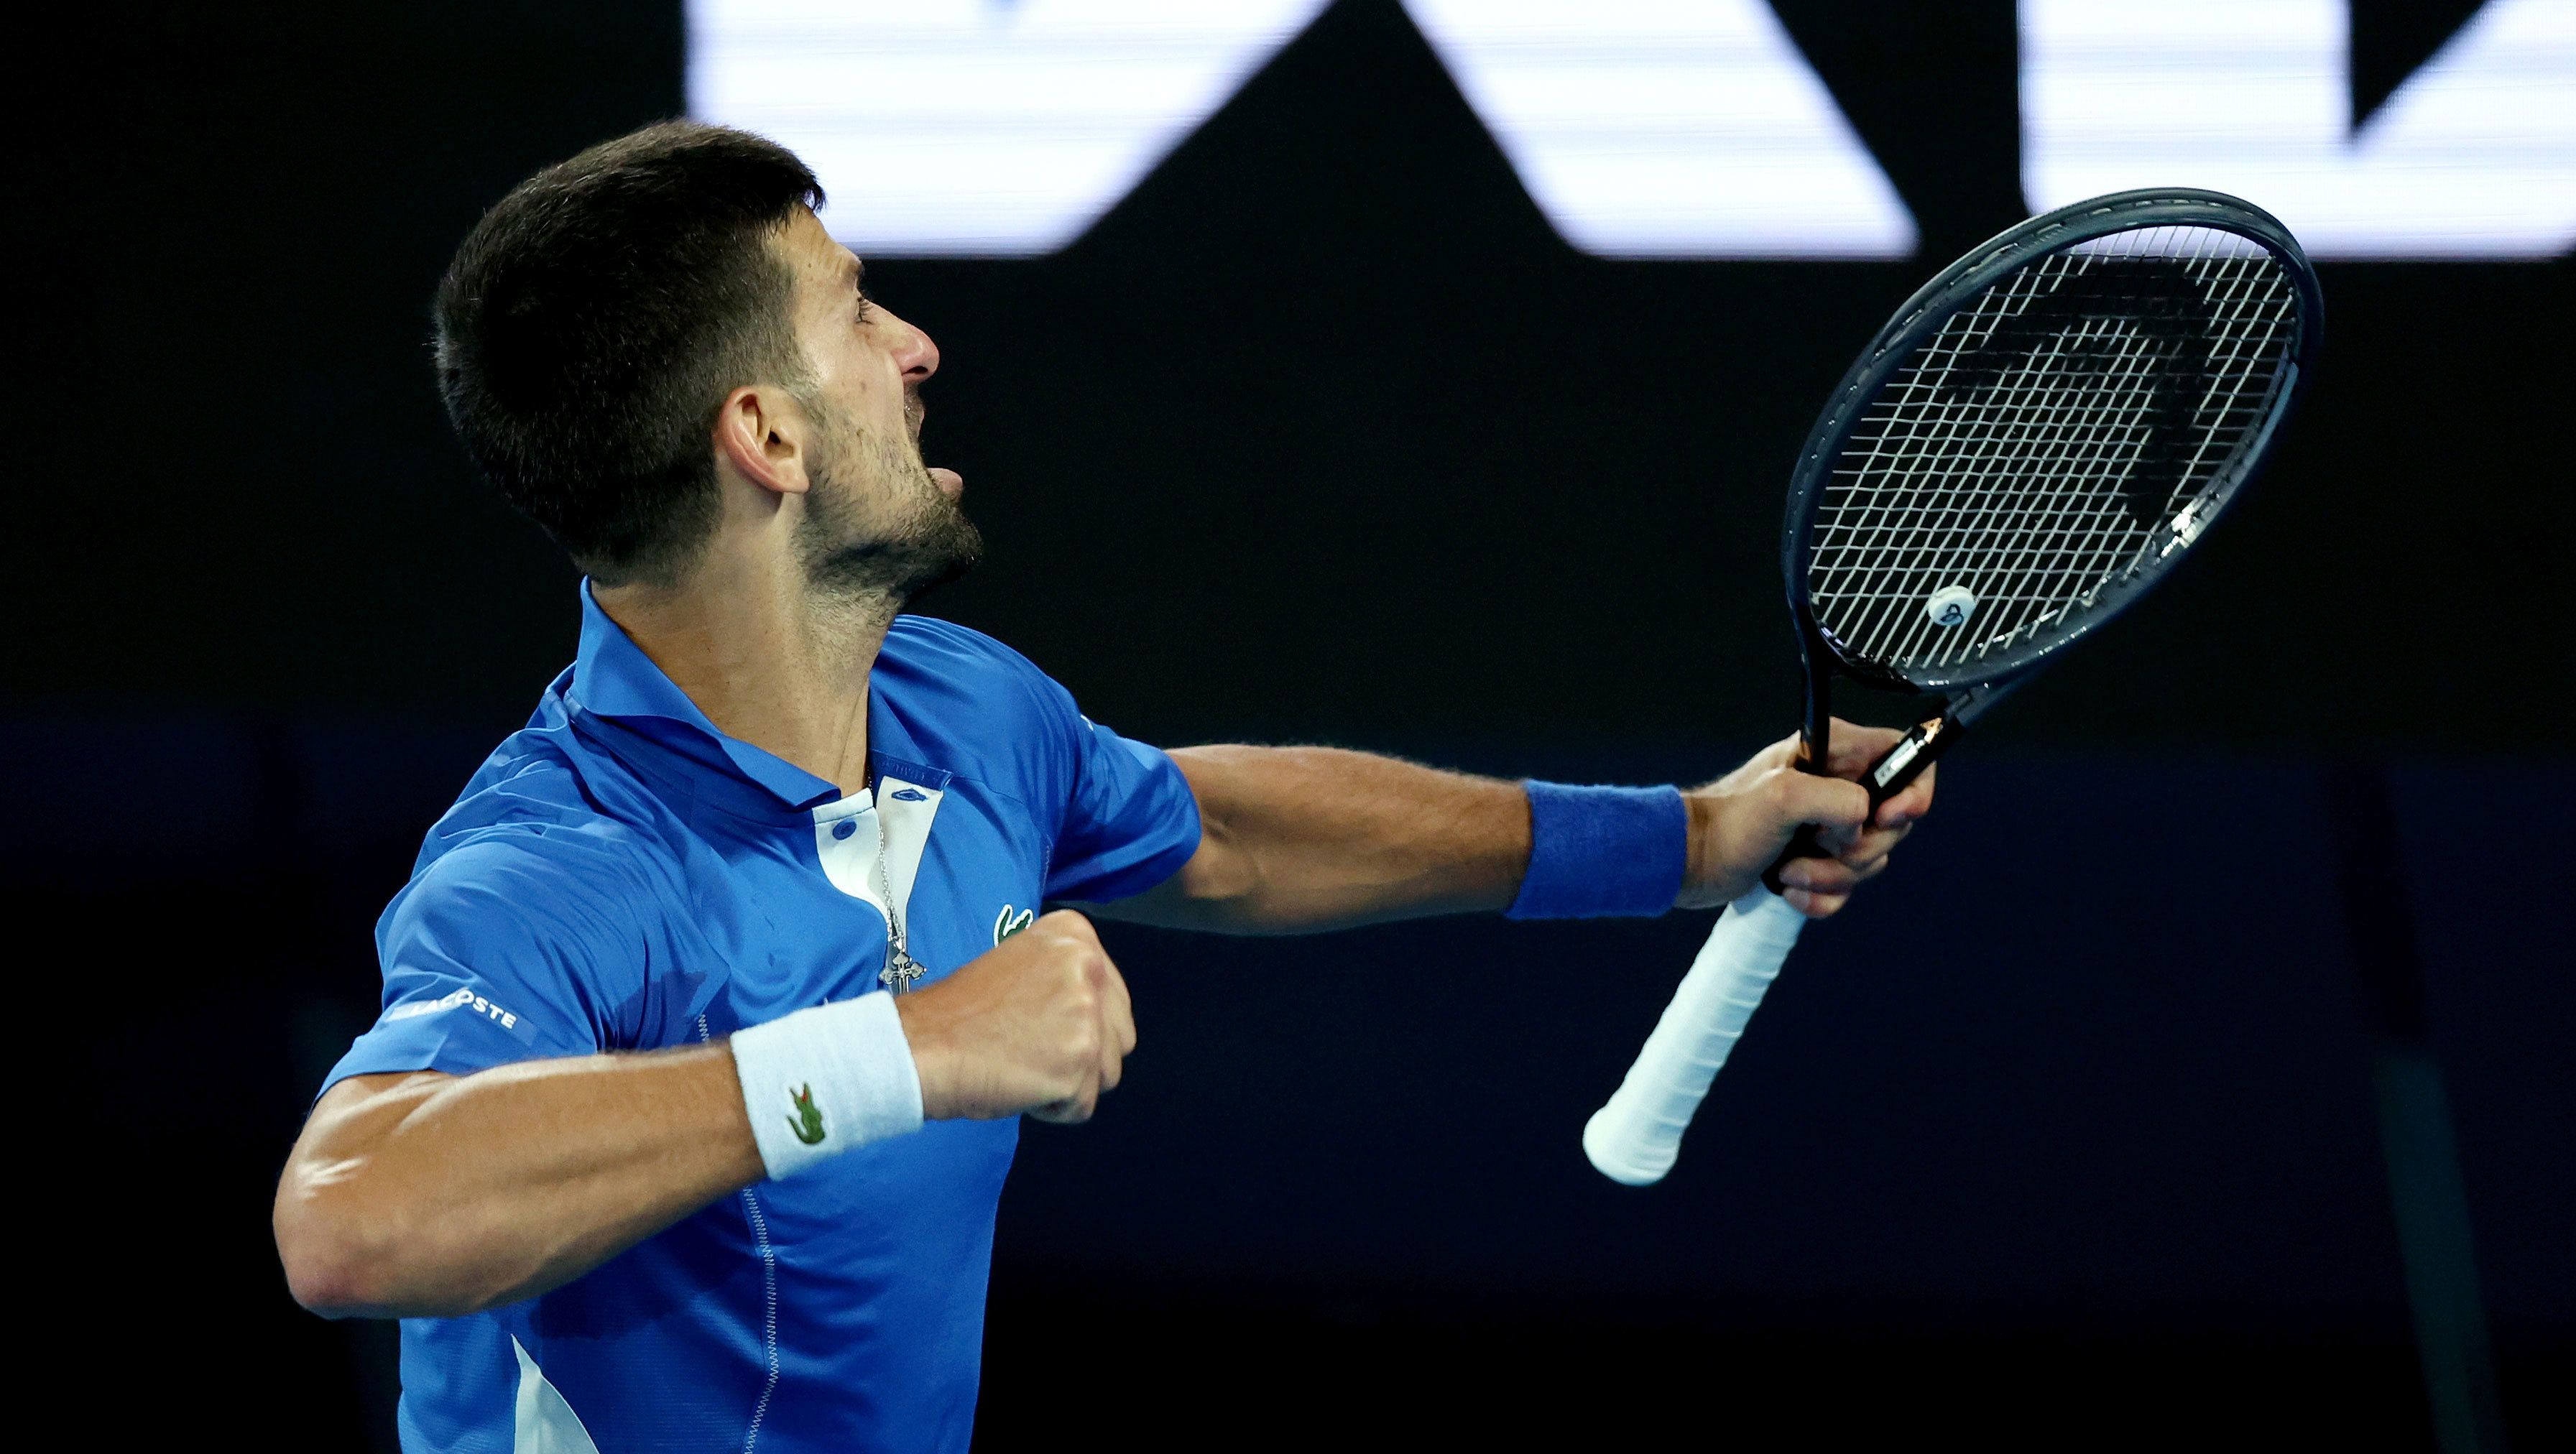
[{"x": 907, "y": 541}]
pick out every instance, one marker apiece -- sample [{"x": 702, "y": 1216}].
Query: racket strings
[
  {"x": 2052, "y": 438},
  {"x": 2041, "y": 455},
  {"x": 2043, "y": 447}
]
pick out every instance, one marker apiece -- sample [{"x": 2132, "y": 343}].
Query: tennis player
[{"x": 712, "y": 1005}]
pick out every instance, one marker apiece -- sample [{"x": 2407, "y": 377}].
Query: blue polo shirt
[{"x": 620, "y": 875}]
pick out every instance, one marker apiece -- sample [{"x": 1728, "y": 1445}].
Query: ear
[{"x": 765, "y": 435}]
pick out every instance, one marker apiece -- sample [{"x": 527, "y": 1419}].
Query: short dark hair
[{"x": 594, "y": 321}]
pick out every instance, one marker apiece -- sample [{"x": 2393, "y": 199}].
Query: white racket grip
[{"x": 1634, "y": 1137}]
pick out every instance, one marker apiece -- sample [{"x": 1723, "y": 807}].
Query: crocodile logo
[
  {"x": 1008, "y": 922},
  {"x": 807, "y": 1123}
]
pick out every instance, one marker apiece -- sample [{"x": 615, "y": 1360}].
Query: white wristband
[{"x": 827, "y": 1080}]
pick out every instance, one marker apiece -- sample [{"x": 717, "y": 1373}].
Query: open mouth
[{"x": 950, "y": 483}]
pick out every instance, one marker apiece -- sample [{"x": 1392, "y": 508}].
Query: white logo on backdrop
[
  {"x": 971, "y": 126},
  {"x": 2474, "y": 156},
  {"x": 1669, "y": 128},
  {"x": 1640, "y": 127},
  {"x": 1656, "y": 128}
]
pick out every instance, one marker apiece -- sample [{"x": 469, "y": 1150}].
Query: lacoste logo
[
  {"x": 910, "y": 795},
  {"x": 807, "y": 1123},
  {"x": 457, "y": 1000},
  {"x": 1008, "y": 923}
]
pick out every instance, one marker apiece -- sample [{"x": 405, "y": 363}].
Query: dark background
[{"x": 2064, "y": 1134}]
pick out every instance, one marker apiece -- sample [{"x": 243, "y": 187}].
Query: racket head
[{"x": 2042, "y": 432}]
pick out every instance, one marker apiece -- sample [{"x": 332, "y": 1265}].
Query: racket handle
[{"x": 1634, "y": 1137}]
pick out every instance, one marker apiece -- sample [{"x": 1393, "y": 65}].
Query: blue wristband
[{"x": 1597, "y": 852}]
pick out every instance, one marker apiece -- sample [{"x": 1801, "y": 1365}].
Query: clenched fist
[{"x": 1041, "y": 1024}]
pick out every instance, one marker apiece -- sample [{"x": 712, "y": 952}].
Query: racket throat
[
  {"x": 1816, "y": 734},
  {"x": 1924, "y": 743},
  {"x": 1912, "y": 753}
]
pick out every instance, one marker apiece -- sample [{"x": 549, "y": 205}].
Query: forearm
[
  {"x": 432, "y": 1195},
  {"x": 1299, "y": 839}
]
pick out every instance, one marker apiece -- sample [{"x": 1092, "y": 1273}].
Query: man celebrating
[{"x": 711, "y": 1005}]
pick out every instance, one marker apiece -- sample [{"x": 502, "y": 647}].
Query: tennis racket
[{"x": 2030, "y": 445}]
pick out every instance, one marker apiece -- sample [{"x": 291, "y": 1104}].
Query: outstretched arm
[{"x": 1298, "y": 839}]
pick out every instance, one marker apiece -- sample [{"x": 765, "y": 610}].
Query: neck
[{"x": 766, "y": 659}]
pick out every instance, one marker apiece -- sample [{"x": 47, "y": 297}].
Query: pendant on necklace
[{"x": 900, "y": 972}]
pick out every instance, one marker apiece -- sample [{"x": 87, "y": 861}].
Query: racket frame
[{"x": 1972, "y": 689}]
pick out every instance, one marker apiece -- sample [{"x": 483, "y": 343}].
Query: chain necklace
[{"x": 901, "y": 970}]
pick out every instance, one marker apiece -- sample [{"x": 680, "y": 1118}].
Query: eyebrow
[{"x": 858, "y": 272}]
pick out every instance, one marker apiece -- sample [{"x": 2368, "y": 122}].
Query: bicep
[
  {"x": 1167, "y": 905},
  {"x": 1130, "y": 820},
  {"x": 1217, "y": 874},
  {"x": 355, "y": 1114}
]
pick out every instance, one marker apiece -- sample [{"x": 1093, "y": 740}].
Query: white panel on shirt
[
  {"x": 545, "y": 1423},
  {"x": 851, "y": 862}
]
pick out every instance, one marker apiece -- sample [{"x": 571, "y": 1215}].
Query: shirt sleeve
[
  {"x": 497, "y": 952},
  {"x": 1130, "y": 820}
]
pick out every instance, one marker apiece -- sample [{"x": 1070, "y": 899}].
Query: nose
[{"x": 916, "y": 355}]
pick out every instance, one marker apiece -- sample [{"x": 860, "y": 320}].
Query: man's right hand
[{"x": 1040, "y": 1024}]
